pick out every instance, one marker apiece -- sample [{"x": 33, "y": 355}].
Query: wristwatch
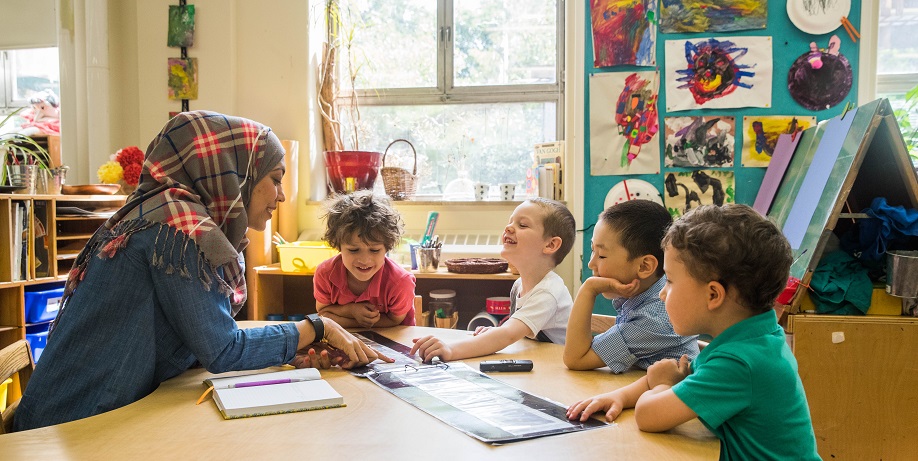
[{"x": 318, "y": 325}]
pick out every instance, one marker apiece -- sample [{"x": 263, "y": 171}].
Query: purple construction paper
[
  {"x": 780, "y": 159},
  {"x": 817, "y": 175}
]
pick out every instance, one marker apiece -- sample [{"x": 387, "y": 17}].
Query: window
[
  {"x": 472, "y": 84},
  {"x": 897, "y": 59},
  {"x": 26, "y": 72}
]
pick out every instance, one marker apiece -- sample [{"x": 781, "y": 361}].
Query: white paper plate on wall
[
  {"x": 817, "y": 17},
  {"x": 632, "y": 189}
]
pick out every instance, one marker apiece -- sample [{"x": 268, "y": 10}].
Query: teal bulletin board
[{"x": 788, "y": 43}]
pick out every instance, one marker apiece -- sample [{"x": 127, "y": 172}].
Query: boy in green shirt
[{"x": 724, "y": 267}]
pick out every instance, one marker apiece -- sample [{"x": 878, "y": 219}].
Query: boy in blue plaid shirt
[{"x": 627, "y": 265}]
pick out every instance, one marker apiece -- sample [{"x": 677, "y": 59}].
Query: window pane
[
  {"x": 492, "y": 142},
  {"x": 505, "y": 42},
  {"x": 34, "y": 70},
  {"x": 395, "y": 43},
  {"x": 896, "y": 53}
]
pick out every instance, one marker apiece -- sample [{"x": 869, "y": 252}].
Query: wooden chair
[
  {"x": 420, "y": 317},
  {"x": 15, "y": 362},
  {"x": 600, "y": 323}
]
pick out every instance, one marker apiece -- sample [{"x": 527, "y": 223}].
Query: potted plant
[
  {"x": 348, "y": 169},
  {"x": 20, "y": 157},
  {"x": 909, "y": 129}
]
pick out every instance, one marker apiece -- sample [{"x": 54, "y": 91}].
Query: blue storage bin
[
  {"x": 42, "y": 306},
  {"x": 37, "y": 336}
]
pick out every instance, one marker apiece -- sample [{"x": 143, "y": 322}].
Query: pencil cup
[{"x": 428, "y": 259}]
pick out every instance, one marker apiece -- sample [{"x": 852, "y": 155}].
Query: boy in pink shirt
[{"x": 361, "y": 287}]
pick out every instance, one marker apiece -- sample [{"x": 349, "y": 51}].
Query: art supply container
[
  {"x": 902, "y": 273},
  {"x": 443, "y": 307},
  {"x": 498, "y": 305},
  {"x": 483, "y": 319},
  {"x": 428, "y": 259},
  {"x": 24, "y": 176}
]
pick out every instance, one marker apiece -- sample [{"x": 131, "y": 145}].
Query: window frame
[{"x": 446, "y": 93}]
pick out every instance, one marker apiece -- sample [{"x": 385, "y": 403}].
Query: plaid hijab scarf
[{"x": 197, "y": 179}]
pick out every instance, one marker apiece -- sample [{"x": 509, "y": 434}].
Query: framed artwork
[
  {"x": 624, "y": 123},
  {"x": 699, "y": 141},
  {"x": 718, "y": 73},
  {"x": 682, "y": 16},
  {"x": 623, "y": 33},
  {"x": 183, "y": 78},
  {"x": 686, "y": 190},
  {"x": 760, "y": 135},
  {"x": 181, "y": 26}
]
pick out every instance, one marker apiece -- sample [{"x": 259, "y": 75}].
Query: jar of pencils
[{"x": 443, "y": 308}]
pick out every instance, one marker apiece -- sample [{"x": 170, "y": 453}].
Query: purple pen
[{"x": 264, "y": 383}]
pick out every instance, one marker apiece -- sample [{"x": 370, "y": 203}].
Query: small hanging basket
[{"x": 400, "y": 183}]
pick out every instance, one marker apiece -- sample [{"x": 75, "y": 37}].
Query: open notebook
[{"x": 271, "y": 393}]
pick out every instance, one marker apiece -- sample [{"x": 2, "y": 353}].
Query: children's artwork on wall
[
  {"x": 718, "y": 73},
  {"x": 623, "y": 123},
  {"x": 624, "y": 32},
  {"x": 181, "y": 26},
  {"x": 686, "y": 190},
  {"x": 820, "y": 78},
  {"x": 817, "y": 17},
  {"x": 760, "y": 135},
  {"x": 183, "y": 78},
  {"x": 699, "y": 141},
  {"x": 678, "y": 16}
]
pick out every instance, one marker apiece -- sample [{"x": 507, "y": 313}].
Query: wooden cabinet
[
  {"x": 278, "y": 292},
  {"x": 860, "y": 379},
  {"x": 59, "y": 227}
]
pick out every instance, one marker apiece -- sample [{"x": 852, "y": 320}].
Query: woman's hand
[{"x": 357, "y": 353}]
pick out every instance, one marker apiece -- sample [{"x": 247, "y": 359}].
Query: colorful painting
[
  {"x": 181, "y": 26},
  {"x": 686, "y": 190},
  {"x": 679, "y": 16},
  {"x": 624, "y": 123},
  {"x": 760, "y": 135},
  {"x": 718, "y": 73},
  {"x": 624, "y": 32},
  {"x": 183, "y": 78},
  {"x": 820, "y": 78},
  {"x": 702, "y": 141}
]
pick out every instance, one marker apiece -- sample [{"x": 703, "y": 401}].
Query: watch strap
[{"x": 318, "y": 325}]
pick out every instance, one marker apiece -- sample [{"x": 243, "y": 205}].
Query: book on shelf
[
  {"x": 271, "y": 393},
  {"x": 549, "y": 169}
]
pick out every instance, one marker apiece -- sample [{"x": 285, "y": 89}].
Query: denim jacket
[{"x": 130, "y": 325}]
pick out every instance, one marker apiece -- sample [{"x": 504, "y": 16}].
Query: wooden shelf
[
  {"x": 56, "y": 251},
  {"x": 442, "y": 273}
]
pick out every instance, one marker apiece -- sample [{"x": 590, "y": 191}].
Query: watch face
[{"x": 632, "y": 189}]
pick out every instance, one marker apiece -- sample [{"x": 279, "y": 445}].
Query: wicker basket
[{"x": 400, "y": 183}]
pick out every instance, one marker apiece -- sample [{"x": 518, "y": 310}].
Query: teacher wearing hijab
[{"x": 156, "y": 287}]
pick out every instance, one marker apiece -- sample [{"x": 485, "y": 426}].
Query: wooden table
[{"x": 374, "y": 425}]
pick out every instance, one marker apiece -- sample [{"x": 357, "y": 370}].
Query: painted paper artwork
[
  {"x": 820, "y": 78},
  {"x": 687, "y": 190},
  {"x": 624, "y": 32},
  {"x": 624, "y": 123},
  {"x": 703, "y": 141},
  {"x": 760, "y": 135},
  {"x": 718, "y": 73},
  {"x": 183, "y": 78},
  {"x": 679, "y": 16},
  {"x": 181, "y": 26}
]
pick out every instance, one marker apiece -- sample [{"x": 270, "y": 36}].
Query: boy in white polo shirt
[{"x": 537, "y": 238}]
